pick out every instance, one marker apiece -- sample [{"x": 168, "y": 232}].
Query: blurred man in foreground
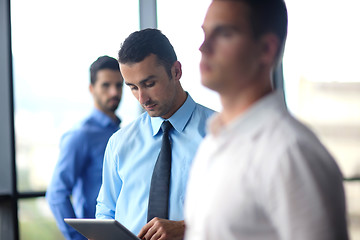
[{"x": 259, "y": 173}]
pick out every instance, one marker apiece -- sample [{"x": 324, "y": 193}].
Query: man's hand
[{"x": 162, "y": 229}]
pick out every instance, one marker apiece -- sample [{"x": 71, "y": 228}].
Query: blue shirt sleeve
[
  {"x": 111, "y": 186},
  {"x": 69, "y": 166}
]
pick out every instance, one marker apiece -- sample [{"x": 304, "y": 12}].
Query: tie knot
[{"x": 166, "y": 126}]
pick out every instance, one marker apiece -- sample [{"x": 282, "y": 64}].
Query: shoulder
[
  {"x": 130, "y": 131},
  {"x": 294, "y": 147},
  {"x": 79, "y": 133},
  {"x": 286, "y": 132},
  {"x": 197, "y": 122},
  {"x": 203, "y": 112},
  {"x": 93, "y": 123},
  {"x": 75, "y": 135},
  {"x": 291, "y": 131}
]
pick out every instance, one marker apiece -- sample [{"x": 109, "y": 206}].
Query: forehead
[
  {"x": 136, "y": 72},
  {"x": 227, "y": 12},
  {"x": 108, "y": 75}
]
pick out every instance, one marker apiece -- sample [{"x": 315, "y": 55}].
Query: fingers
[
  {"x": 153, "y": 230},
  {"x": 158, "y": 230},
  {"x": 162, "y": 229},
  {"x": 144, "y": 230},
  {"x": 156, "y": 236}
]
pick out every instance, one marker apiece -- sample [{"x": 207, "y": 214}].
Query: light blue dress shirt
[
  {"x": 130, "y": 158},
  {"x": 78, "y": 171}
]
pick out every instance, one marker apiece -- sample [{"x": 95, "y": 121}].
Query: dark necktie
[{"x": 160, "y": 181}]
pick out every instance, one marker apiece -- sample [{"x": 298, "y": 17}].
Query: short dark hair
[
  {"x": 268, "y": 16},
  {"x": 140, "y": 44},
  {"x": 103, "y": 62}
]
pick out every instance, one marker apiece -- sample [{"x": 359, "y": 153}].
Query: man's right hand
[{"x": 162, "y": 229}]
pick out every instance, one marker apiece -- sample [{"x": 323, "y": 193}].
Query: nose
[
  {"x": 205, "y": 46},
  {"x": 114, "y": 91},
  {"x": 143, "y": 96}
]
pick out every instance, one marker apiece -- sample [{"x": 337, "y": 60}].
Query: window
[
  {"x": 322, "y": 83},
  {"x": 54, "y": 44},
  {"x": 183, "y": 28}
]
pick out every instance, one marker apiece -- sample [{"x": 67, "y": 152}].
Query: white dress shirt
[{"x": 264, "y": 176}]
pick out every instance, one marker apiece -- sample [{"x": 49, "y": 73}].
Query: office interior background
[{"x": 46, "y": 48}]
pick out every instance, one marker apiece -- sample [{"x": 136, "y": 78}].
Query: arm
[
  {"x": 66, "y": 172},
  {"x": 163, "y": 229},
  {"x": 111, "y": 186},
  {"x": 308, "y": 195}
]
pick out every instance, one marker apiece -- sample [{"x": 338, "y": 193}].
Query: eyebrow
[
  {"x": 226, "y": 27},
  {"x": 222, "y": 27},
  {"x": 142, "y": 81}
]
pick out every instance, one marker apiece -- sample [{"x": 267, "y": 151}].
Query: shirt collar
[
  {"x": 255, "y": 117},
  {"x": 103, "y": 119},
  {"x": 179, "y": 119}
]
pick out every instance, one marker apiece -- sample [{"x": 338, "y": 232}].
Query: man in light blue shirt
[
  {"x": 79, "y": 168},
  {"x": 150, "y": 68}
]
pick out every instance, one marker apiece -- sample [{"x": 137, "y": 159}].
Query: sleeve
[
  {"x": 111, "y": 185},
  {"x": 69, "y": 166},
  {"x": 304, "y": 197}
]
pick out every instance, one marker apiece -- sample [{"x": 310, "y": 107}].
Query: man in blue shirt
[
  {"x": 79, "y": 168},
  {"x": 150, "y": 68}
]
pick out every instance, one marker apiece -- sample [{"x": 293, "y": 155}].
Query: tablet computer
[{"x": 101, "y": 229}]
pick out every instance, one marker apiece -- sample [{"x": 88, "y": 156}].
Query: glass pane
[
  {"x": 322, "y": 83},
  {"x": 183, "y": 28},
  {"x": 54, "y": 44},
  {"x": 352, "y": 195},
  {"x": 36, "y": 221}
]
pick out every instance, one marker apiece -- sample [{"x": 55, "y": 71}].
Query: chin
[
  {"x": 209, "y": 83},
  {"x": 113, "y": 108},
  {"x": 153, "y": 114}
]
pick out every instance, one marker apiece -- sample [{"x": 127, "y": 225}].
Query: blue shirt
[
  {"x": 78, "y": 171},
  {"x": 130, "y": 158}
]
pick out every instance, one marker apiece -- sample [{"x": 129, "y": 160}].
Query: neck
[
  {"x": 237, "y": 102},
  {"x": 181, "y": 98},
  {"x": 111, "y": 114}
]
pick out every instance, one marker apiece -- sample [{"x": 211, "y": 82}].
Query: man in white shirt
[{"x": 259, "y": 173}]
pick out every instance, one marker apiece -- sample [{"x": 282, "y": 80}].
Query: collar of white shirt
[{"x": 252, "y": 119}]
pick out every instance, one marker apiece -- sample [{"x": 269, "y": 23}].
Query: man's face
[
  {"x": 151, "y": 85},
  {"x": 107, "y": 90},
  {"x": 229, "y": 51}
]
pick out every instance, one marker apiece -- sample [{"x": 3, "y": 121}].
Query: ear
[
  {"x": 91, "y": 89},
  {"x": 176, "y": 70},
  {"x": 269, "y": 48}
]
